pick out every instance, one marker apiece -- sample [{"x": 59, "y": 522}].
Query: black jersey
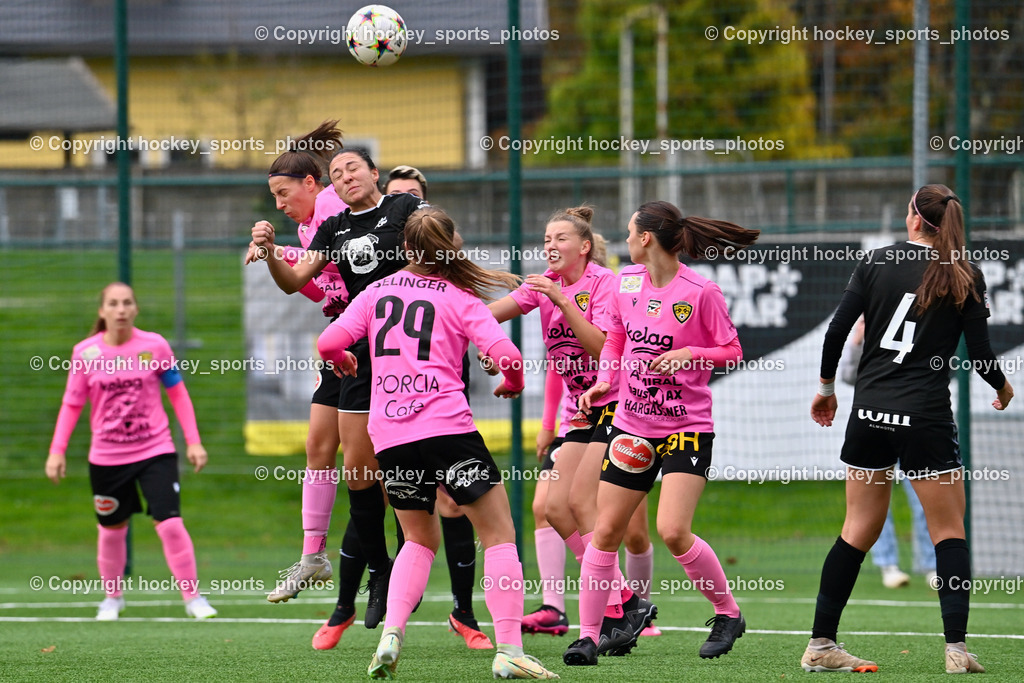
[
  {"x": 367, "y": 246},
  {"x": 905, "y": 366}
]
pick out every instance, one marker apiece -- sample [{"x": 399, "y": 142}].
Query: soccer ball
[{"x": 376, "y": 35}]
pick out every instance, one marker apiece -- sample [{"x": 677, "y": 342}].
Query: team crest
[
  {"x": 630, "y": 283},
  {"x": 146, "y": 356},
  {"x": 682, "y": 310},
  {"x": 653, "y": 308},
  {"x": 583, "y": 300},
  {"x": 92, "y": 352}
]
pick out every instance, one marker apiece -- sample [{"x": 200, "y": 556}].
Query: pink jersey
[
  {"x": 690, "y": 311},
  {"x": 592, "y": 294},
  {"x": 419, "y": 328},
  {"x": 329, "y": 281},
  {"x": 123, "y": 384}
]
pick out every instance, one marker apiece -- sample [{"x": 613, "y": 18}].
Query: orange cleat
[
  {"x": 475, "y": 638},
  {"x": 328, "y": 636}
]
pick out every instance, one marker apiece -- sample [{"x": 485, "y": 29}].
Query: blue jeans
[{"x": 886, "y": 552}]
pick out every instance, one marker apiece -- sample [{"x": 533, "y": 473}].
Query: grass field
[{"x": 245, "y": 530}]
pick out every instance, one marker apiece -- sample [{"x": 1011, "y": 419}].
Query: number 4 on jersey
[{"x": 906, "y": 344}]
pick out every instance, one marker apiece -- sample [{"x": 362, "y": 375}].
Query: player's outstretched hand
[
  {"x": 823, "y": 409},
  {"x": 56, "y": 467},
  {"x": 592, "y": 394},
  {"x": 196, "y": 455},
  {"x": 1003, "y": 397}
]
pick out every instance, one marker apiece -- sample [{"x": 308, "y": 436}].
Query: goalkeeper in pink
[
  {"x": 419, "y": 322},
  {"x": 669, "y": 328},
  {"x": 120, "y": 370}
]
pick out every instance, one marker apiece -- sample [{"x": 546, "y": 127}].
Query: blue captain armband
[{"x": 170, "y": 378}]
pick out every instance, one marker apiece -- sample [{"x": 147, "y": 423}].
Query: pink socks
[
  {"x": 551, "y": 563},
  {"x": 576, "y": 545},
  {"x": 111, "y": 557},
  {"x": 704, "y": 569},
  {"x": 503, "y": 593},
  {"x": 181, "y": 556},
  {"x": 599, "y": 569},
  {"x": 409, "y": 576},
  {"x": 640, "y": 571},
  {"x": 319, "y": 489}
]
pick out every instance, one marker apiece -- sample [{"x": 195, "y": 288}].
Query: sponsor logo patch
[
  {"x": 653, "y": 308},
  {"x": 630, "y": 283},
  {"x": 105, "y": 505},
  {"x": 631, "y": 453}
]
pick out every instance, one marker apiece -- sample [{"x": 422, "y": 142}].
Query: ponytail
[
  {"x": 690, "y": 235},
  {"x": 429, "y": 238},
  {"x": 950, "y": 274},
  {"x": 308, "y": 155}
]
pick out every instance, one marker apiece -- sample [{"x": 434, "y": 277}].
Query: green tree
[{"x": 719, "y": 89}]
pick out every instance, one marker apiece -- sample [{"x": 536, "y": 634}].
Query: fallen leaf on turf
[
  {"x": 49, "y": 649},
  {"x": 904, "y": 652}
]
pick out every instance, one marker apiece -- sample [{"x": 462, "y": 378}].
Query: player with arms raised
[{"x": 419, "y": 323}]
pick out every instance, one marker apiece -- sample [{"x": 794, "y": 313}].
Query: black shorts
[
  {"x": 328, "y": 388},
  {"x": 633, "y": 462},
  {"x": 552, "y": 455},
  {"x": 461, "y": 462},
  {"x": 598, "y": 428},
  {"x": 877, "y": 440},
  {"x": 115, "y": 489},
  {"x": 354, "y": 392}
]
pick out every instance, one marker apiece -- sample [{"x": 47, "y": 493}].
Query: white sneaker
[
  {"x": 931, "y": 579},
  {"x": 893, "y": 577},
  {"x": 199, "y": 608},
  {"x": 110, "y": 609},
  {"x": 309, "y": 571},
  {"x": 960, "y": 661}
]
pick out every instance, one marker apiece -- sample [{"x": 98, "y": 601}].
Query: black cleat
[
  {"x": 582, "y": 652},
  {"x": 640, "y": 612},
  {"x": 617, "y": 637},
  {"x": 724, "y": 632},
  {"x": 377, "y": 602}
]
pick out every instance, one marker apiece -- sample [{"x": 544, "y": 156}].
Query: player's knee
[
  {"x": 580, "y": 509},
  {"x": 637, "y": 541},
  {"x": 677, "y": 537},
  {"x": 321, "y": 451},
  {"x": 540, "y": 510}
]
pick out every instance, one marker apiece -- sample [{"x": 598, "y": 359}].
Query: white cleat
[
  {"x": 385, "y": 659},
  {"x": 524, "y": 667},
  {"x": 110, "y": 609},
  {"x": 311, "y": 570},
  {"x": 199, "y": 608},
  {"x": 894, "y": 577},
  {"x": 960, "y": 661}
]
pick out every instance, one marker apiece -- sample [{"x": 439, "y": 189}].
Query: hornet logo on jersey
[
  {"x": 682, "y": 310},
  {"x": 583, "y": 300},
  {"x": 361, "y": 255}
]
